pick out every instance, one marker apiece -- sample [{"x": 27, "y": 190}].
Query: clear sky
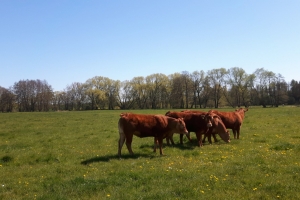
[{"x": 66, "y": 41}]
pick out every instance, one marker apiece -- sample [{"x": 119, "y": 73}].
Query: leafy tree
[
  {"x": 156, "y": 86},
  {"x": 237, "y": 92},
  {"x": 94, "y": 89}
]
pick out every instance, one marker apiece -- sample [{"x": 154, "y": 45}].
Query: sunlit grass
[{"x": 73, "y": 155}]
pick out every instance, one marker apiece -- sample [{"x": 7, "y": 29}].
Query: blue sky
[{"x": 63, "y": 41}]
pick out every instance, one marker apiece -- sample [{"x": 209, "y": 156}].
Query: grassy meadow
[{"x": 73, "y": 155}]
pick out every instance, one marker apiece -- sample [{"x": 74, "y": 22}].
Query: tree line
[{"x": 213, "y": 89}]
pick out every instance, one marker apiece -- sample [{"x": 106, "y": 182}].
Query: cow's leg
[
  {"x": 238, "y": 133},
  {"x": 215, "y": 138},
  {"x": 188, "y": 135},
  {"x": 170, "y": 139},
  {"x": 128, "y": 143},
  {"x": 199, "y": 139},
  {"x": 209, "y": 138},
  {"x": 155, "y": 144},
  {"x": 121, "y": 143},
  {"x": 208, "y": 135},
  {"x": 234, "y": 133},
  {"x": 181, "y": 138},
  {"x": 121, "y": 139},
  {"x": 205, "y": 136},
  {"x": 160, "y": 141}
]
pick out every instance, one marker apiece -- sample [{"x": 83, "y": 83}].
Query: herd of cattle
[{"x": 164, "y": 126}]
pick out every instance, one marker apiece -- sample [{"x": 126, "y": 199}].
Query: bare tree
[
  {"x": 263, "y": 83},
  {"x": 32, "y": 95},
  {"x": 126, "y": 95},
  {"x": 188, "y": 87},
  {"x": 279, "y": 91},
  {"x": 77, "y": 96},
  {"x": 44, "y": 95},
  {"x": 294, "y": 92},
  {"x": 216, "y": 78},
  {"x": 177, "y": 91},
  {"x": 197, "y": 79},
  {"x": 111, "y": 91},
  {"x": 7, "y": 99}
]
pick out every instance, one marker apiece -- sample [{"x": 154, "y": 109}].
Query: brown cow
[
  {"x": 195, "y": 122},
  {"x": 216, "y": 127},
  {"x": 207, "y": 134},
  {"x": 141, "y": 125},
  {"x": 233, "y": 120}
]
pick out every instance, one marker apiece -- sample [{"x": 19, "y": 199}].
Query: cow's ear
[
  {"x": 203, "y": 116},
  {"x": 216, "y": 117}
]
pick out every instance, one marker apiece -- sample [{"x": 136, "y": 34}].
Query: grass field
[{"x": 73, "y": 155}]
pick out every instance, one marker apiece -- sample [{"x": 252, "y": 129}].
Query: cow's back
[
  {"x": 230, "y": 119},
  {"x": 143, "y": 125},
  {"x": 193, "y": 121},
  {"x": 139, "y": 125}
]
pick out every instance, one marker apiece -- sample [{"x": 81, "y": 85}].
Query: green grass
[{"x": 73, "y": 155}]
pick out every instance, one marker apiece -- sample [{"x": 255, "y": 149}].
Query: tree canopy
[{"x": 215, "y": 88}]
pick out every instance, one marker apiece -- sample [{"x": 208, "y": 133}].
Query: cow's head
[
  {"x": 181, "y": 126},
  {"x": 215, "y": 123},
  {"x": 210, "y": 119},
  {"x": 167, "y": 113},
  {"x": 225, "y": 135},
  {"x": 241, "y": 112}
]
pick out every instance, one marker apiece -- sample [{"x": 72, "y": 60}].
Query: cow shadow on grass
[
  {"x": 108, "y": 158},
  {"x": 148, "y": 149},
  {"x": 185, "y": 146}
]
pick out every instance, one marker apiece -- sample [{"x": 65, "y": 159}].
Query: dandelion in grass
[
  {"x": 202, "y": 191},
  {"x": 254, "y": 189},
  {"x": 108, "y": 195}
]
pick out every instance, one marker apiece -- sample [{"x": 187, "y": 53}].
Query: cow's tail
[{"x": 122, "y": 137}]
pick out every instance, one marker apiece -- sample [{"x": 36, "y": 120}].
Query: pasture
[{"x": 73, "y": 155}]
